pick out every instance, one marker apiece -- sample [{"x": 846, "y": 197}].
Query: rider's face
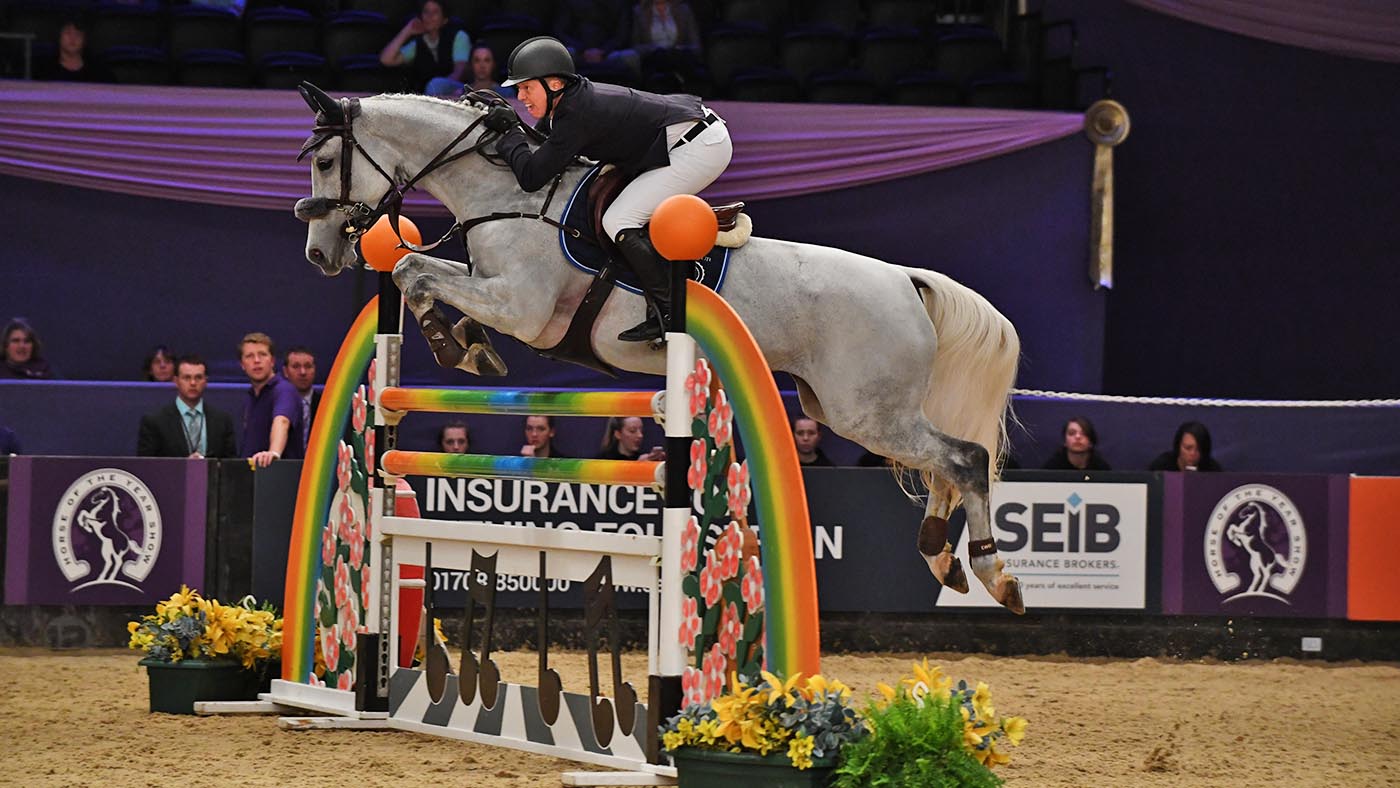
[{"x": 531, "y": 94}]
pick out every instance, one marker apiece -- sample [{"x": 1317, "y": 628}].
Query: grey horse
[{"x": 904, "y": 361}]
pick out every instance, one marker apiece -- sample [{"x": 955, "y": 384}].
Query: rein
[{"x": 359, "y": 216}]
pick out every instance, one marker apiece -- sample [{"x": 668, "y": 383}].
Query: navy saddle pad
[{"x": 585, "y": 254}]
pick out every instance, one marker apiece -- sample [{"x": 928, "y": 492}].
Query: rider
[{"x": 671, "y": 144}]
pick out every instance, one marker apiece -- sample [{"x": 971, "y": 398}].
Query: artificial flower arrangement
[
  {"x": 188, "y": 626},
  {"x": 924, "y": 731},
  {"x": 807, "y": 718}
]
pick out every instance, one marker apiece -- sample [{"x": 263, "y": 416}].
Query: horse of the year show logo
[
  {"x": 1255, "y": 544},
  {"x": 107, "y": 530}
]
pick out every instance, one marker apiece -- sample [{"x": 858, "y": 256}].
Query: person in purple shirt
[{"x": 272, "y": 422}]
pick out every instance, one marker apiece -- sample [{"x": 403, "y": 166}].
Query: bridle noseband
[{"x": 359, "y": 216}]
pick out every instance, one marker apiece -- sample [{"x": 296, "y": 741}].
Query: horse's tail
[{"x": 974, "y": 368}]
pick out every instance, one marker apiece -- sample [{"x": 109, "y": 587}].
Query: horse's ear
[{"x": 321, "y": 103}]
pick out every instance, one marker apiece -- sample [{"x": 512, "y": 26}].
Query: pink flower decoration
[
  {"x": 721, "y": 420},
  {"x": 690, "y": 623},
  {"x": 364, "y": 596},
  {"x": 342, "y": 466},
  {"x": 357, "y": 410},
  {"x": 690, "y": 544},
  {"x": 695, "y": 477},
  {"x": 697, "y": 387},
  {"x": 342, "y": 682},
  {"x": 711, "y": 584},
  {"x": 328, "y": 543},
  {"x": 729, "y": 630},
  {"x": 342, "y": 582},
  {"x": 739, "y": 493},
  {"x": 369, "y": 455},
  {"x": 714, "y": 672},
  {"x": 752, "y": 586},
  {"x": 373, "y": 375},
  {"x": 347, "y": 630},
  {"x": 345, "y": 517},
  {"x": 692, "y": 687},
  {"x": 357, "y": 546},
  {"x": 330, "y": 646},
  {"x": 729, "y": 550}
]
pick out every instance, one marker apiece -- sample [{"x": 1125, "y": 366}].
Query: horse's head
[{"x": 345, "y": 198}]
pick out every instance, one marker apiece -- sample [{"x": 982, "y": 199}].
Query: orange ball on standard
[
  {"x": 683, "y": 227},
  {"x": 380, "y": 247}
]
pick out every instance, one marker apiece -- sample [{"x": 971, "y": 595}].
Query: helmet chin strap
[{"x": 551, "y": 95}]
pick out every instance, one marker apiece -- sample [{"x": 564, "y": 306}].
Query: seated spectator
[
  {"x": 187, "y": 427},
  {"x": 596, "y": 32},
  {"x": 159, "y": 366},
  {"x": 71, "y": 64},
  {"x": 24, "y": 353},
  {"x": 272, "y": 422},
  {"x": 483, "y": 72},
  {"x": 667, "y": 38},
  {"x": 622, "y": 440},
  {"x": 1190, "y": 451},
  {"x": 299, "y": 368},
  {"x": 436, "y": 52},
  {"x": 539, "y": 437},
  {"x": 1079, "y": 451},
  {"x": 807, "y": 436},
  {"x": 454, "y": 438},
  {"x": 9, "y": 442}
]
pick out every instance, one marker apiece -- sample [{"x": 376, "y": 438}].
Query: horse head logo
[{"x": 1255, "y": 544}]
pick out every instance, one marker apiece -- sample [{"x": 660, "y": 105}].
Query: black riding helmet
[{"x": 537, "y": 58}]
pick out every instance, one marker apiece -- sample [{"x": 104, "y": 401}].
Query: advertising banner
[
  {"x": 1254, "y": 544},
  {"x": 103, "y": 531},
  {"x": 1072, "y": 544}
]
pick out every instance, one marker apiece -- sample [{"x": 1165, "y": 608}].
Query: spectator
[
  {"x": 159, "y": 365},
  {"x": 299, "y": 368},
  {"x": 807, "y": 436},
  {"x": 539, "y": 437},
  {"x": 24, "y": 353},
  {"x": 454, "y": 438},
  {"x": 596, "y": 32},
  {"x": 71, "y": 64},
  {"x": 483, "y": 70},
  {"x": 436, "y": 52},
  {"x": 622, "y": 440},
  {"x": 187, "y": 427},
  {"x": 666, "y": 37},
  {"x": 9, "y": 442},
  {"x": 1079, "y": 448},
  {"x": 1190, "y": 451},
  {"x": 272, "y": 423}
]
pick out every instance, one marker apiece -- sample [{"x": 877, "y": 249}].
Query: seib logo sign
[
  {"x": 1255, "y": 545},
  {"x": 1071, "y": 525},
  {"x": 106, "y": 530}
]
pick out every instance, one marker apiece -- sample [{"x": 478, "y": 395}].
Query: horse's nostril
[{"x": 316, "y": 254}]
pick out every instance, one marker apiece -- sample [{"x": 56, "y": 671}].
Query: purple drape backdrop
[
  {"x": 1355, "y": 28},
  {"x": 237, "y": 147}
]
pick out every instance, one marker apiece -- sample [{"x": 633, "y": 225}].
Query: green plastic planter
[
  {"x": 701, "y": 768},
  {"x": 175, "y": 686}
]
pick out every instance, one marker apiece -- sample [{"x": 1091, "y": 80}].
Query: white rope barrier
[{"x": 1208, "y": 402}]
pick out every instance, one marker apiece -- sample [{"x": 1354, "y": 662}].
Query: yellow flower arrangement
[
  {"x": 188, "y": 626},
  {"x": 983, "y": 731},
  {"x": 807, "y": 718}
]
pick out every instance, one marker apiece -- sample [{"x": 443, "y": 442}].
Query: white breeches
[{"x": 693, "y": 166}]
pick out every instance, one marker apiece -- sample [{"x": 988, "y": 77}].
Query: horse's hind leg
[
  {"x": 965, "y": 466},
  {"x": 933, "y": 536}
]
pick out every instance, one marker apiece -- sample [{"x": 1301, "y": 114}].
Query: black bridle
[{"x": 336, "y": 118}]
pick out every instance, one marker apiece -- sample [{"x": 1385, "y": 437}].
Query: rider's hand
[{"x": 501, "y": 119}]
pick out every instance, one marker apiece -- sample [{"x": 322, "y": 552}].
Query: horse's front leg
[{"x": 424, "y": 280}]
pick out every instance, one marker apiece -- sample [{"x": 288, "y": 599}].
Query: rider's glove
[{"x": 501, "y": 119}]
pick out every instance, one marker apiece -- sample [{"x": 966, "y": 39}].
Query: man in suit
[
  {"x": 187, "y": 427},
  {"x": 299, "y": 368}
]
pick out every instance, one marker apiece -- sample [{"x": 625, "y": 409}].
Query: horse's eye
[{"x": 324, "y": 165}]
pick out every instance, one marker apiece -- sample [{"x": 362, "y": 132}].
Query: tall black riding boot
[{"x": 655, "y": 277}]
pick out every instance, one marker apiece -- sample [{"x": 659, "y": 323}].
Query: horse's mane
[{"x": 475, "y": 100}]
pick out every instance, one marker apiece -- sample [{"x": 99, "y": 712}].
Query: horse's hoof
[
  {"x": 947, "y": 570},
  {"x": 483, "y": 360},
  {"x": 1008, "y": 593}
]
